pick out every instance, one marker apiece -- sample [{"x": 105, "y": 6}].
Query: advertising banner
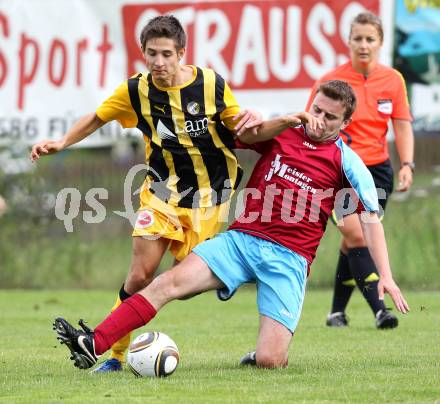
[
  {"x": 417, "y": 57},
  {"x": 59, "y": 59}
]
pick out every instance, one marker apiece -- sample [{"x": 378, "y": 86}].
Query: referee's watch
[{"x": 411, "y": 165}]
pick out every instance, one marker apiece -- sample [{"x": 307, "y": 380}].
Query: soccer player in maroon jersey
[{"x": 303, "y": 169}]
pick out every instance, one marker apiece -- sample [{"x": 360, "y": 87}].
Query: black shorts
[{"x": 383, "y": 176}]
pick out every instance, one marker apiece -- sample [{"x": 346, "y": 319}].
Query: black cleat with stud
[
  {"x": 386, "y": 320},
  {"x": 79, "y": 342},
  {"x": 337, "y": 319}
]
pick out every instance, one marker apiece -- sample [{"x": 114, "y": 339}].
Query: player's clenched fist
[{"x": 45, "y": 147}]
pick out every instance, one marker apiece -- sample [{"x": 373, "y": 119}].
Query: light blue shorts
[{"x": 280, "y": 274}]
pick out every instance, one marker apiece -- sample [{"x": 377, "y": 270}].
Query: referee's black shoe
[
  {"x": 337, "y": 319},
  {"x": 386, "y": 320},
  {"x": 79, "y": 342}
]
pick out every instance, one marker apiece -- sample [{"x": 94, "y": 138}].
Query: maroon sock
[{"x": 133, "y": 313}]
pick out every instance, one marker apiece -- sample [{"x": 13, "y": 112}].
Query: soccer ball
[{"x": 153, "y": 354}]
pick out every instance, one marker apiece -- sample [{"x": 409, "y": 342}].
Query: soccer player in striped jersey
[
  {"x": 301, "y": 176},
  {"x": 186, "y": 115}
]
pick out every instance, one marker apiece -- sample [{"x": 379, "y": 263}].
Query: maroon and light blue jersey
[{"x": 294, "y": 186}]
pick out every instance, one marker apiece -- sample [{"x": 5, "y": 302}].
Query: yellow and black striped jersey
[{"x": 189, "y": 148}]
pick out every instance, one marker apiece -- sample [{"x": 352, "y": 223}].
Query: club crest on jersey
[
  {"x": 193, "y": 107},
  {"x": 145, "y": 219}
]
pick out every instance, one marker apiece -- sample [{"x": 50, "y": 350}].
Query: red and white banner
[{"x": 59, "y": 59}]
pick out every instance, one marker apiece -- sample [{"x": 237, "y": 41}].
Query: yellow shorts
[{"x": 184, "y": 227}]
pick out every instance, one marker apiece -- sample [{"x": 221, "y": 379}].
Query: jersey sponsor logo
[
  {"x": 290, "y": 174},
  {"x": 163, "y": 132},
  {"x": 145, "y": 219},
  {"x": 193, "y": 127},
  {"x": 385, "y": 106},
  {"x": 193, "y": 107},
  {"x": 309, "y": 145}
]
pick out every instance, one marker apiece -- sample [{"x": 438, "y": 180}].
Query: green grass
[{"x": 357, "y": 364}]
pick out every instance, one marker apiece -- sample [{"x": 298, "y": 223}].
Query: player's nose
[
  {"x": 364, "y": 43},
  {"x": 158, "y": 61}
]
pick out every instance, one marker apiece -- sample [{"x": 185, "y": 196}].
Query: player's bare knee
[
  {"x": 271, "y": 360},
  {"x": 354, "y": 240},
  {"x": 138, "y": 279},
  {"x": 166, "y": 285}
]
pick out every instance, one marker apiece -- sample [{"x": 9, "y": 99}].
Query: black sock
[
  {"x": 365, "y": 274},
  {"x": 344, "y": 284},
  {"x": 123, "y": 295}
]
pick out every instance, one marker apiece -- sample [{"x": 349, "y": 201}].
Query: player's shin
[
  {"x": 130, "y": 315},
  {"x": 120, "y": 347}
]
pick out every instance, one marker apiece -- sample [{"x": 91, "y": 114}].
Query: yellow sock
[{"x": 119, "y": 347}]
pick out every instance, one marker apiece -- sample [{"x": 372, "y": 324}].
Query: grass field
[{"x": 357, "y": 364}]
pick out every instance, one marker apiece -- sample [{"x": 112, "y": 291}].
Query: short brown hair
[
  {"x": 164, "y": 26},
  {"x": 368, "y": 18},
  {"x": 341, "y": 91}
]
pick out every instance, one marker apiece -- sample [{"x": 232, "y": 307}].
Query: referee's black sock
[
  {"x": 344, "y": 284},
  {"x": 364, "y": 272}
]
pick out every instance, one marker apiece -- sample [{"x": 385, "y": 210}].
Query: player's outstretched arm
[
  {"x": 273, "y": 127},
  {"x": 375, "y": 237},
  {"x": 79, "y": 131}
]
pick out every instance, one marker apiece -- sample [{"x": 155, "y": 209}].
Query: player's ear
[
  {"x": 181, "y": 53},
  {"x": 345, "y": 123}
]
